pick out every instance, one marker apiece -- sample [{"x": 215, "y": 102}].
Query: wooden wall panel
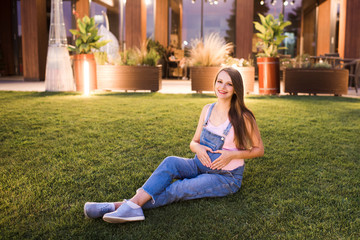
[
  {"x": 308, "y": 31},
  {"x": 161, "y": 22},
  {"x": 6, "y": 39},
  {"x": 244, "y": 28},
  {"x": 82, "y": 8},
  {"x": 143, "y": 21},
  {"x": 34, "y": 38},
  {"x": 181, "y": 12},
  {"x": 342, "y": 26},
  {"x": 352, "y": 32},
  {"x": 135, "y": 23},
  {"x": 323, "y": 28}
]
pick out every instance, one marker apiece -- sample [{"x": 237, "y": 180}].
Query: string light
[
  {"x": 286, "y": 3},
  {"x": 292, "y": 2},
  {"x": 211, "y": 2},
  {"x": 262, "y": 2}
]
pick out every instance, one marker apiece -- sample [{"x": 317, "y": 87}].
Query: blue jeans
[{"x": 192, "y": 182}]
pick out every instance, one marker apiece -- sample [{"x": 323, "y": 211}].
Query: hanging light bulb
[
  {"x": 286, "y": 3},
  {"x": 193, "y": 1},
  {"x": 292, "y": 2},
  {"x": 262, "y": 2},
  {"x": 273, "y": 2},
  {"x": 216, "y": 2}
]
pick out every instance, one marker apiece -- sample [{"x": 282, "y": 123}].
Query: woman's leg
[
  {"x": 170, "y": 168},
  {"x": 204, "y": 185}
]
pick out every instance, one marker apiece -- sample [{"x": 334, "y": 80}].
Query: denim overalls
[
  {"x": 194, "y": 180},
  {"x": 213, "y": 141}
]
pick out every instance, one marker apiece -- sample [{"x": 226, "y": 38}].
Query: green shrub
[{"x": 86, "y": 36}]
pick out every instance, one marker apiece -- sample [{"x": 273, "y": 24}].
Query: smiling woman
[
  {"x": 226, "y": 134},
  {"x": 223, "y": 85}
]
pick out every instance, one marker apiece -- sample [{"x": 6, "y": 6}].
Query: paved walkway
[{"x": 168, "y": 86}]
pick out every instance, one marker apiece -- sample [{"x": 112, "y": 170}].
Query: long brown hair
[{"x": 238, "y": 111}]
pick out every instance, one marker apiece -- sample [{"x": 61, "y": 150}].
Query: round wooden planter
[
  {"x": 85, "y": 67},
  {"x": 248, "y": 77},
  {"x": 269, "y": 75},
  {"x": 332, "y": 81},
  {"x": 202, "y": 78},
  {"x": 112, "y": 77}
]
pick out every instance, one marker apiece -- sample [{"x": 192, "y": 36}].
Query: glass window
[
  {"x": 175, "y": 30},
  {"x": 191, "y": 20},
  {"x": 149, "y": 19},
  {"x": 96, "y": 11},
  {"x": 292, "y": 12},
  {"x": 99, "y": 11},
  {"x": 67, "y": 18},
  {"x": 218, "y": 16},
  {"x": 18, "y": 10}
]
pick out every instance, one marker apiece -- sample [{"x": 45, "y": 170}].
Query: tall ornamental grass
[{"x": 213, "y": 51}]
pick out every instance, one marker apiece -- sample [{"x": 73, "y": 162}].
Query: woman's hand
[
  {"x": 225, "y": 157},
  {"x": 201, "y": 152}
]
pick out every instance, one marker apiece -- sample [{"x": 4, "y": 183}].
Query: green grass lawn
[{"x": 58, "y": 151}]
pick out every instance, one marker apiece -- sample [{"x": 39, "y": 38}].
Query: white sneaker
[
  {"x": 97, "y": 210},
  {"x": 125, "y": 213}
]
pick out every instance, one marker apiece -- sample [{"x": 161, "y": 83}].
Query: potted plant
[
  {"x": 87, "y": 40},
  {"x": 135, "y": 69},
  {"x": 271, "y": 34},
  {"x": 206, "y": 59},
  {"x": 301, "y": 76},
  {"x": 246, "y": 69}
]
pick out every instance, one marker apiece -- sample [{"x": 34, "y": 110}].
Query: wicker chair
[{"x": 354, "y": 73}]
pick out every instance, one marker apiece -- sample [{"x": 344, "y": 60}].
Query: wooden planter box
[
  {"x": 202, "y": 78},
  {"x": 332, "y": 81},
  {"x": 112, "y": 77},
  {"x": 248, "y": 76}
]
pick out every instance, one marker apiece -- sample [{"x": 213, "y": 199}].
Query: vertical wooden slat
[
  {"x": 181, "y": 12},
  {"x": 342, "y": 25},
  {"x": 82, "y": 8},
  {"x": 244, "y": 27},
  {"x": 161, "y": 22},
  {"x": 143, "y": 21},
  {"x": 352, "y": 32},
  {"x": 323, "y": 36},
  {"x": 135, "y": 23},
  {"x": 6, "y": 38},
  {"x": 308, "y": 30},
  {"x": 34, "y": 38}
]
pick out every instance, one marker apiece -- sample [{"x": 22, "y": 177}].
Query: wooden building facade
[
  {"x": 322, "y": 30},
  {"x": 330, "y": 26}
]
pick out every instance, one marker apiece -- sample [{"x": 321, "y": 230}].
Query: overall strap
[
  {"x": 227, "y": 129},
  {"x": 208, "y": 115}
]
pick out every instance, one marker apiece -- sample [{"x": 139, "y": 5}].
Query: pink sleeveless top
[{"x": 229, "y": 143}]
